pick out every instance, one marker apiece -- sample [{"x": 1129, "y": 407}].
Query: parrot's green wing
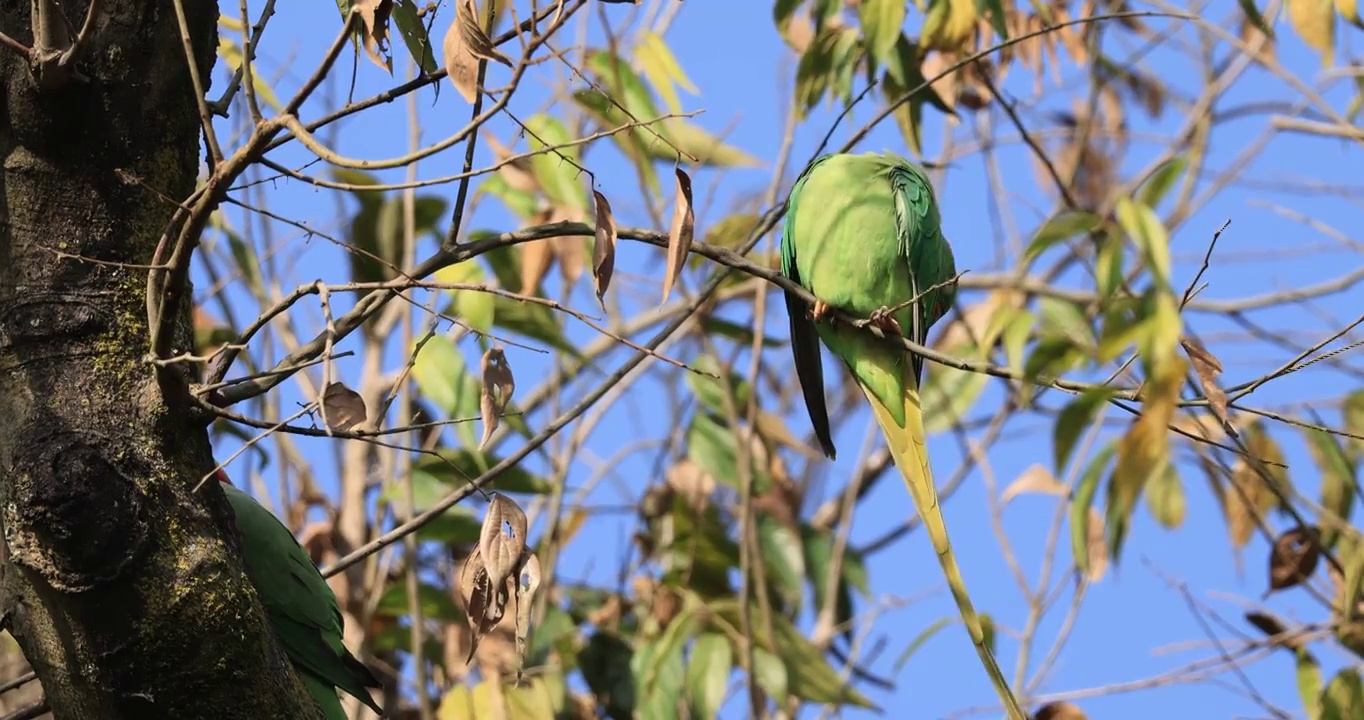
[
  {"x": 863, "y": 234},
  {"x": 804, "y": 338},
  {"x": 301, "y": 607}
]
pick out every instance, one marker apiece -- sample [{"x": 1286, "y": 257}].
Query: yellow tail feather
[{"x": 911, "y": 457}]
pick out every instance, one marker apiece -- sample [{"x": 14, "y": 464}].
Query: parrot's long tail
[{"x": 911, "y": 456}]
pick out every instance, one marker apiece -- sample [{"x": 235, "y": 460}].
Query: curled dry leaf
[
  {"x": 503, "y": 537},
  {"x": 497, "y": 389},
  {"x": 471, "y": 30},
  {"x": 1274, "y": 628},
  {"x": 1294, "y": 558},
  {"x": 342, "y": 408},
  {"x": 680, "y": 234},
  {"x": 374, "y": 16},
  {"x": 484, "y": 602},
  {"x": 460, "y": 64},
  {"x": 527, "y": 582},
  {"x": 1036, "y": 479},
  {"x": 604, "y": 247},
  {"x": 1208, "y": 369}
]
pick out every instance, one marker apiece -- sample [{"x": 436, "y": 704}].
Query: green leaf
[
  {"x": 1073, "y": 420},
  {"x": 771, "y": 673},
  {"x": 455, "y": 525},
  {"x": 949, "y": 392},
  {"x": 814, "y": 72},
  {"x": 1338, "y": 477},
  {"x": 1165, "y": 497},
  {"x": 521, "y": 203},
  {"x": 908, "y": 116},
  {"x": 1343, "y": 697},
  {"x": 809, "y": 676},
  {"x": 1141, "y": 224},
  {"x": 713, "y": 446},
  {"x": 1309, "y": 683},
  {"x": 558, "y": 177},
  {"x": 1353, "y": 411},
  {"x": 605, "y": 664},
  {"x": 460, "y": 466},
  {"x": 998, "y": 20},
  {"x": 473, "y": 307},
  {"x": 1085, "y": 490},
  {"x": 532, "y": 320},
  {"x": 711, "y": 391},
  {"x": 701, "y": 555},
  {"x": 881, "y": 23},
  {"x": 444, "y": 380},
  {"x": 623, "y": 84},
  {"x": 923, "y": 637},
  {"x": 783, "y": 560},
  {"x": 1058, "y": 229},
  {"x": 1064, "y": 319},
  {"x": 708, "y": 671},
  {"x": 414, "y": 36},
  {"x": 742, "y": 334},
  {"x": 1161, "y": 180},
  {"x": 435, "y": 603},
  {"x": 654, "y": 664},
  {"x": 630, "y": 142},
  {"x": 245, "y": 257},
  {"x": 818, "y": 550}
]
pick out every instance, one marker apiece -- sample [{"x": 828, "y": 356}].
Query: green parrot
[
  {"x": 863, "y": 235},
  {"x": 300, "y": 605}
]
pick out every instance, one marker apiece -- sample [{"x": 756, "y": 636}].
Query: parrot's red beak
[{"x": 222, "y": 476}]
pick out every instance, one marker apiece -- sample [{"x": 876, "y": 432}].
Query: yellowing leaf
[
  {"x": 1144, "y": 451},
  {"x": 948, "y": 24},
  {"x": 1142, "y": 225},
  {"x": 1165, "y": 498},
  {"x": 1036, "y": 479},
  {"x": 659, "y": 65},
  {"x": 881, "y": 23},
  {"x": 1315, "y": 22},
  {"x": 680, "y": 234},
  {"x": 1349, "y": 9}
]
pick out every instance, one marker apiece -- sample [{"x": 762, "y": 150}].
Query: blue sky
[{"x": 1134, "y": 617}]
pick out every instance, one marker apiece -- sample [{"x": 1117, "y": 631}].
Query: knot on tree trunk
[{"x": 73, "y": 516}]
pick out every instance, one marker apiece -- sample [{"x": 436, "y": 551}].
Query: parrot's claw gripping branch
[
  {"x": 819, "y": 310},
  {"x": 882, "y": 318}
]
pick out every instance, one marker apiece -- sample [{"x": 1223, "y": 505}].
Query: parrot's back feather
[{"x": 301, "y": 606}]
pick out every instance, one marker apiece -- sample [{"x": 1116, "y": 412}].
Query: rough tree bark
[{"x": 123, "y": 588}]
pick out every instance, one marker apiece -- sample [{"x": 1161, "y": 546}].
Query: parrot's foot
[
  {"x": 882, "y": 318},
  {"x": 819, "y": 310}
]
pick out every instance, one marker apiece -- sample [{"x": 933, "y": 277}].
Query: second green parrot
[
  {"x": 863, "y": 235},
  {"x": 300, "y": 605}
]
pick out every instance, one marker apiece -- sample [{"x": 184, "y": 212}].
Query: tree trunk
[{"x": 123, "y": 588}]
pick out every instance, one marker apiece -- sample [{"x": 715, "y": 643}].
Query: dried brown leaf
[
  {"x": 1207, "y": 367},
  {"x": 1060, "y": 711},
  {"x": 471, "y": 30},
  {"x": 693, "y": 483},
  {"x": 1098, "y": 548},
  {"x": 497, "y": 387},
  {"x": 374, "y": 35},
  {"x": 1274, "y": 628},
  {"x": 342, "y": 408},
  {"x": 484, "y": 602},
  {"x": 604, "y": 248},
  {"x": 527, "y": 582},
  {"x": 680, "y": 234},
  {"x": 1036, "y": 479},
  {"x": 1250, "y": 35},
  {"x": 536, "y": 257},
  {"x": 503, "y": 538},
  {"x": 460, "y": 64},
  {"x": 568, "y": 250},
  {"x": 1294, "y": 558},
  {"x": 946, "y": 86}
]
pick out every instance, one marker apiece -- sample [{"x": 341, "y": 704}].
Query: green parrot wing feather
[
  {"x": 301, "y": 606},
  {"x": 804, "y": 338}
]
